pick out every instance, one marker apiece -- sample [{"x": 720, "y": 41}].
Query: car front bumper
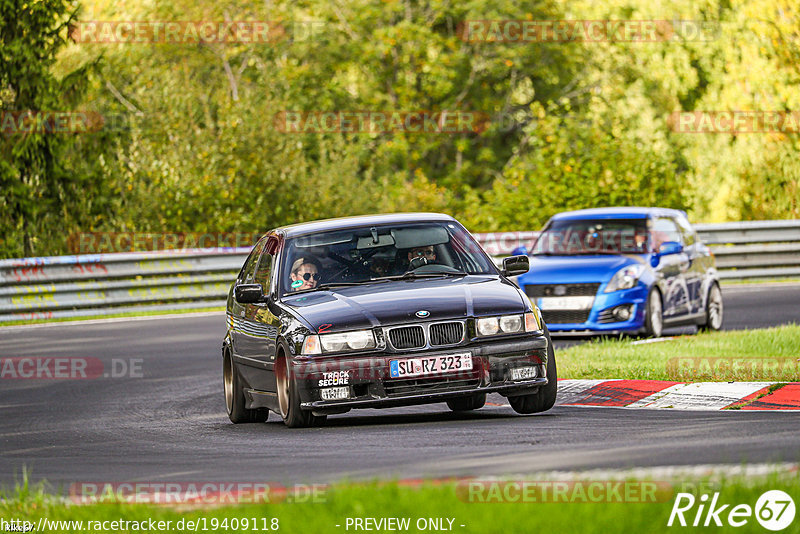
[
  {"x": 370, "y": 385},
  {"x": 598, "y": 320}
]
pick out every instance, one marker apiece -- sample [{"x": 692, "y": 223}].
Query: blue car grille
[
  {"x": 561, "y": 290},
  {"x": 606, "y": 316},
  {"x": 565, "y": 316}
]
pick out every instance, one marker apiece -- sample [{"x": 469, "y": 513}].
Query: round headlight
[
  {"x": 511, "y": 323},
  {"x": 359, "y": 340},
  {"x": 488, "y": 326},
  {"x": 333, "y": 342}
]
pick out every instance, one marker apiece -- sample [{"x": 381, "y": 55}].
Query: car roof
[
  {"x": 344, "y": 223},
  {"x": 618, "y": 213}
]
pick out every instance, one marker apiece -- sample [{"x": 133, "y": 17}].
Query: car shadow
[{"x": 491, "y": 413}]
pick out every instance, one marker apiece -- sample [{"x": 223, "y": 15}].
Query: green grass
[
  {"x": 770, "y": 354},
  {"x": 113, "y": 316},
  {"x": 429, "y": 500}
]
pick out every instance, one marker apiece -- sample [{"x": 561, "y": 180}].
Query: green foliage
[{"x": 572, "y": 125}]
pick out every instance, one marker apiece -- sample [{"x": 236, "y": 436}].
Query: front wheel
[
  {"x": 654, "y": 320},
  {"x": 464, "y": 404},
  {"x": 234, "y": 396},
  {"x": 289, "y": 399},
  {"x": 545, "y": 398},
  {"x": 713, "y": 319}
]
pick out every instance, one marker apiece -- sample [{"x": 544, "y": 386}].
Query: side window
[
  {"x": 665, "y": 230},
  {"x": 686, "y": 231},
  {"x": 262, "y": 275},
  {"x": 248, "y": 270}
]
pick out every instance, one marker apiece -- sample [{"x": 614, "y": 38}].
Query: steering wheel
[{"x": 416, "y": 263}]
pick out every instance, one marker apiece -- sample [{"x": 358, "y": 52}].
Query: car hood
[
  {"x": 576, "y": 269},
  {"x": 397, "y": 302}
]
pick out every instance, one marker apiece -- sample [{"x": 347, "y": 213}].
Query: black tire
[
  {"x": 464, "y": 404},
  {"x": 545, "y": 398},
  {"x": 654, "y": 314},
  {"x": 234, "y": 395},
  {"x": 714, "y": 310},
  {"x": 289, "y": 399}
]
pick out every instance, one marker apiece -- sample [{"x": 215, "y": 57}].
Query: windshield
[
  {"x": 592, "y": 236},
  {"x": 363, "y": 255}
]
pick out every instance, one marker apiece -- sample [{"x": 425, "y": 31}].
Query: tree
[{"x": 37, "y": 189}]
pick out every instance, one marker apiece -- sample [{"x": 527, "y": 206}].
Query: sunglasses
[
  {"x": 424, "y": 253},
  {"x": 307, "y": 276}
]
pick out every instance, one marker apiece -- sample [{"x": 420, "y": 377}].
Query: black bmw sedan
[{"x": 380, "y": 311}]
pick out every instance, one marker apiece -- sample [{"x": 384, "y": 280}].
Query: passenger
[
  {"x": 379, "y": 267},
  {"x": 305, "y": 273}
]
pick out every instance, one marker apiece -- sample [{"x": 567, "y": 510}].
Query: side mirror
[
  {"x": 521, "y": 250},
  {"x": 670, "y": 247},
  {"x": 248, "y": 293},
  {"x": 666, "y": 248},
  {"x": 515, "y": 265}
]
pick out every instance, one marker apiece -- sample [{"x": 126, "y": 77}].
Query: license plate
[
  {"x": 566, "y": 303},
  {"x": 335, "y": 393},
  {"x": 521, "y": 373},
  {"x": 432, "y": 365}
]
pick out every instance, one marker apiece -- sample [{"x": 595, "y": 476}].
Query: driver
[
  {"x": 305, "y": 273},
  {"x": 423, "y": 252}
]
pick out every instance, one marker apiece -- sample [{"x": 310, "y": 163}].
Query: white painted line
[
  {"x": 666, "y": 472},
  {"x": 652, "y": 340},
  {"x": 700, "y": 396}
]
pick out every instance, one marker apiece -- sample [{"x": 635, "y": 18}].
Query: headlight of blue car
[{"x": 625, "y": 278}]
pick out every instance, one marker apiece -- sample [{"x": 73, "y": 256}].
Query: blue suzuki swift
[{"x": 613, "y": 270}]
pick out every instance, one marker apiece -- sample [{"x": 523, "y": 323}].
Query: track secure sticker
[{"x": 335, "y": 378}]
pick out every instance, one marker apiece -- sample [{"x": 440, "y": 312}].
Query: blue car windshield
[
  {"x": 593, "y": 236},
  {"x": 363, "y": 255}
]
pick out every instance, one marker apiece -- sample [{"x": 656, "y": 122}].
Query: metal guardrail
[
  {"x": 743, "y": 250},
  {"x": 104, "y": 284}
]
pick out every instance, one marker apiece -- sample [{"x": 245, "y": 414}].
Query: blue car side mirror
[
  {"x": 521, "y": 250},
  {"x": 670, "y": 247},
  {"x": 666, "y": 248}
]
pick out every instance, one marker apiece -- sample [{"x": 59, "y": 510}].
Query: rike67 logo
[{"x": 774, "y": 510}]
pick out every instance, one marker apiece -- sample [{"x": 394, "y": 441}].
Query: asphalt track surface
[{"x": 170, "y": 424}]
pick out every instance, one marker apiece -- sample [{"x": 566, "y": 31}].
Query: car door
[
  {"x": 696, "y": 271},
  {"x": 672, "y": 268},
  {"x": 259, "y": 332},
  {"x": 237, "y": 310}
]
